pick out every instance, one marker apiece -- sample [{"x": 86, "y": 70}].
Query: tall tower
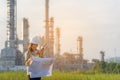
[
  {"x": 102, "y": 55},
  {"x": 57, "y": 45},
  {"x": 25, "y": 33},
  {"x": 80, "y": 49},
  {"x": 8, "y": 54},
  {"x": 11, "y": 23},
  {"x": 51, "y": 37},
  {"x": 47, "y": 27}
]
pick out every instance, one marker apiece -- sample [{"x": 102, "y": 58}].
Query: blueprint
[{"x": 41, "y": 67}]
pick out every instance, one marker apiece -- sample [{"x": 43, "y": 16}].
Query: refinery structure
[{"x": 11, "y": 56}]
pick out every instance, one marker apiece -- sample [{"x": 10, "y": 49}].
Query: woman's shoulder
[{"x": 26, "y": 53}]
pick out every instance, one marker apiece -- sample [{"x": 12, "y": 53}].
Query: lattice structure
[
  {"x": 8, "y": 54},
  {"x": 51, "y": 37}
]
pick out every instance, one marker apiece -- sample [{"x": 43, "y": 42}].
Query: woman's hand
[{"x": 41, "y": 53}]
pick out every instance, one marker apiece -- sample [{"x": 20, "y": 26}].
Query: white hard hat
[{"x": 35, "y": 40}]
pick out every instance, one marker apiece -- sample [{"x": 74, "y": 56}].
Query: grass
[{"x": 20, "y": 75}]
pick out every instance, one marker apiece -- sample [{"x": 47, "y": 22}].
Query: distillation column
[
  {"x": 25, "y": 34},
  {"x": 57, "y": 45},
  {"x": 11, "y": 23},
  {"x": 80, "y": 50},
  {"x": 47, "y": 27},
  {"x": 8, "y": 54},
  {"x": 51, "y": 37}
]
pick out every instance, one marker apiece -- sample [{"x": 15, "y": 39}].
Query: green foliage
[
  {"x": 100, "y": 71},
  {"x": 117, "y": 68},
  {"x": 104, "y": 67},
  {"x": 13, "y": 75},
  {"x": 97, "y": 67},
  {"x": 57, "y": 75}
]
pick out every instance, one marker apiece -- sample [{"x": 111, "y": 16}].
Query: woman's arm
[
  {"x": 28, "y": 59},
  {"x": 27, "y": 63}
]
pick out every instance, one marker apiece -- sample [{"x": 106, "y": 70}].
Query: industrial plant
[{"x": 11, "y": 57}]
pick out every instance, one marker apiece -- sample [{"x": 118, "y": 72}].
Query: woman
[{"x": 32, "y": 51}]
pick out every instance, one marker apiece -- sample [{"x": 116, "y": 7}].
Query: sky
[{"x": 97, "y": 21}]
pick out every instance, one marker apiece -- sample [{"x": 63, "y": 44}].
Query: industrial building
[{"x": 11, "y": 56}]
